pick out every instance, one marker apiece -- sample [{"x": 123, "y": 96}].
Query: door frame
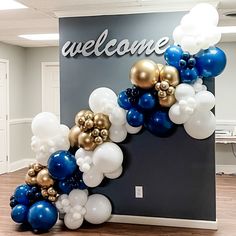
[
  {"x": 43, "y": 66},
  {"x": 7, "y": 116}
]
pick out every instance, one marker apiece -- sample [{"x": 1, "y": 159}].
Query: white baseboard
[
  {"x": 226, "y": 169},
  {"x": 170, "y": 222},
  {"x": 17, "y": 165}
]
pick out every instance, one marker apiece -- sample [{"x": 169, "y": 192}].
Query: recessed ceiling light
[
  {"x": 227, "y": 29},
  {"x": 10, "y": 5},
  {"x": 40, "y": 36}
]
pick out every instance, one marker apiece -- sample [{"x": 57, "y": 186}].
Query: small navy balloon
[
  {"x": 42, "y": 216},
  {"x": 188, "y": 75},
  {"x": 61, "y": 165},
  {"x": 173, "y": 55},
  {"x": 20, "y": 194},
  {"x": 123, "y": 100},
  {"x": 19, "y": 213},
  {"x": 147, "y": 101},
  {"x": 134, "y": 117},
  {"x": 160, "y": 124},
  {"x": 210, "y": 62}
]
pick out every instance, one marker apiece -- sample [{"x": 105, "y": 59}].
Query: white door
[
  {"x": 3, "y": 116},
  {"x": 51, "y": 88}
]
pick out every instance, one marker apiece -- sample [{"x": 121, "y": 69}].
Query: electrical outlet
[{"x": 138, "y": 191}]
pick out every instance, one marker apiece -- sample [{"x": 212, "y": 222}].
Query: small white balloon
[
  {"x": 117, "y": 116},
  {"x": 107, "y": 157},
  {"x": 72, "y": 223},
  {"x": 64, "y": 130},
  {"x": 98, "y": 209},
  {"x": 93, "y": 177},
  {"x": 178, "y": 34},
  {"x": 81, "y": 153},
  {"x": 183, "y": 91},
  {"x": 117, "y": 133},
  {"x": 205, "y": 100},
  {"x": 132, "y": 130},
  {"x": 115, "y": 174},
  {"x": 189, "y": 44},
  {"x": 176, "y": 115},
  {"x": 77, "y": 197}
]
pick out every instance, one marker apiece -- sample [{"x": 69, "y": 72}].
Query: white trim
[
  {"x": 20, "y": 121},
  {"x": 43, "y": 65},
  {"x": 17, "y": 165},
  {"x": 226, "y": 169},
  {"x": 170, "y": 222},
  {"x": 226, "y": 122}
]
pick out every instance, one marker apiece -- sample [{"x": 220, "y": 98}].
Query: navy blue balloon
[
  {"x": 21, "y": 194},
  {"x": 134, "y": 117},
  {"x": 147, "y": 101},
  {"x": 189, "y": 75},
  {"x": 19, "y": 213},
  {"x": 61, "y": 165},
  {"x": 173, "y": 55},
  {"x": 160, "y": 124},
  {"x": 123, "y": 100},
  {"x": 42, "y": 216},
  {"x": 210, "y": 62}
]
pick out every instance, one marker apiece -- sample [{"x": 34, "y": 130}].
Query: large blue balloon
[
  {"x": 123, "y": 100},
  {"x": 42, "y": 216},
  {"x": 61, "y": 165},
  {"x": 172, "y": 55},
  {"x": 20, "y": 194},
  {"x": 160, "y": 124},
  {"x": 210, "y": 62},
  {"x": 188, "y": 75},
  {"x": 19, "y": 213},
  {"x": 134, "y": 117},
  {"x": 147, "y": 101}
]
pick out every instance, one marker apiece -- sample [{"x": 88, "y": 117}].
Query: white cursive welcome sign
[{"x": 97, "y": 48}]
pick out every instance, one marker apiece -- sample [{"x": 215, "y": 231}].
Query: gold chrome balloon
[
  {"x": 159, "y": 66},
  {"x": 37, "y": 167},
  {"x": 44, "y": 179},
  {"x": 144, "y": 74},
  {"x": 101, "y": 121},
  {"x": 88, "y": 124},
  {"x": 167, "y": 101},
  {"x": 44, "y": 193},
  {"x": 88, "y": 115},
  {"x": 95, "y": 132},
  {"x": 30, "y": 180},
  {"x": 170, "y": 74},
  {"x": 73, "y": 136},
  {"x": 86, "y": 141},
  {"x": 98, "y": 140},
  {"x": 104, "y": 133},
  {"x": 31, "y": 172}
]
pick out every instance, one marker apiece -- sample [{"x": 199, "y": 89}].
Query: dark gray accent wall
[{"x": 177, "y": 173}]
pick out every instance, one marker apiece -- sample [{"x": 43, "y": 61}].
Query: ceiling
[{"x": 42, "y": 16}]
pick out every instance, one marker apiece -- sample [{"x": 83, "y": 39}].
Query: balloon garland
[{"x": 162, "y": 97}]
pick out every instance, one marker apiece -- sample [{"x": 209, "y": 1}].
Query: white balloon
[
  {"x": 83, "y": 153},
  {"x": 78, "y": 197},
  {"x": 178, "y": 34},
  {"x": 183, "y": 91},
  {"x": 108, "y": 106},
  {"x": 117, "y": 133},
  {"x": 115, "y": 174},
  {"x": 107, "y": 157},
  {"x": 117, "y": 116},
  {"x": 189, "y": 44},
  {"x": 205, "y": 100},
  {"x": 132, "y": 130},
  {"x": 93, "y": 177},
  {"x": 72, "y": 223},
  {"x": 45, "y": 125},
  {"x": 42, "y": 159},
  {"x": 98, "y": 209},
  {"x": 201, "y": 125},
  {"x": 96, "y": 98},
  {"x": 176, "y": 116},
  {"x": 65, "y": 130}
]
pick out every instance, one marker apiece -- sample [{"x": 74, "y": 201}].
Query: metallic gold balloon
[
  {"x": 162, "y": 94},
  {"x": 144, "y": 74},
  {"x": 167, "y": 101},
  {"x": 88, "y": 124},
  {"x": 37, "y": 167},
  {"x": 73, "y": 136},
  {"x": 98, "y": 140},
  {"x": 78, "y": 115},
  {"x": 44, "y": 179},
  {"x": 170, "y": 74},
  {"x": 95, "y": 132},
  {"x": 31, "y": 172},
  {"x": 52, "y": 191},
  {"x": 86, "y": 141},
  {"x": 170, "y": 91},
  {"x": 30, "y": 180},
  {"x": 44, "y": 193},
  {"x": 101, "y": 121},
  {"x": 164, "y": 85},
  {"x": 104, "y": 133},
  {"x": 160, "y": 66},
  {"x": 52, "y": 198},
  {"x": 88, "y": 115}
]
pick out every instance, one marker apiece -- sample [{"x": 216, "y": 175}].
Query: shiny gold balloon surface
[
  {"x": 86, "y": 141},
  {"x": 73, "y": 136},
  {"x": 78, "y": 116},
  {"x": 144, "y": 74},
  {"x": 44, "y": 179},
  {"x": 101, "y": 121},
  {"x": 30, "y": 180},
  {"x": 167, "y": 101},
  {"x": 170, "y": 74}
]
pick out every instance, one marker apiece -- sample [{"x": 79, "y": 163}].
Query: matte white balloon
[
  {"x": 189, "y": 44},
  {"x": 178, "y": 34},
  {"x": 117, "y": 133},
  {"x": 117, "y": 116},
  {"x": 83, "y": 153},
  {"x": 96, "y": 99},
  {"x": 98, "y": 209},
  {"x": 93, "y": 177},
  {"x": 78, "y": 197},
  {"x": 115, "y": 174},
  {"x": 132, "y": 130},
  {"x": 176, "y": 116},
  {"x": 201, "y": 125},
  {"x": 183, "y": 91},
  {"x": 64, "y": 130},
  {"x": 205, "y": 101},
  {"x": 107, "y": 157},
  {"x": 72, "y": 223}
]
